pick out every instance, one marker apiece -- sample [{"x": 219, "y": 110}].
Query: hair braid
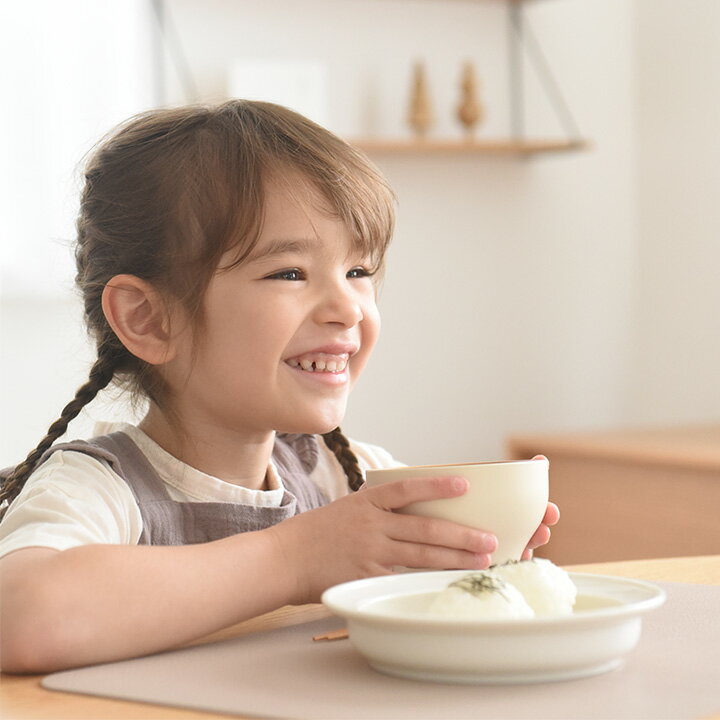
[
  {"x": 339, "y": 444},
  {"x": 101, "y": 374}
]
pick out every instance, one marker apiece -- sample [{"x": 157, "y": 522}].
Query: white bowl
[
  {"x": 508, "y": 499},
  {"x": 387, "y": 625}
]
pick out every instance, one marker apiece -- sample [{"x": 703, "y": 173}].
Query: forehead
[
  {"x": 290, "y": 203},
  {"x": 295, "y": 209},
  {"x": 291, "y": 187}
]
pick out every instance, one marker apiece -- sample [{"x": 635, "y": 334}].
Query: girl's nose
[{"x": 340, "y": 304}]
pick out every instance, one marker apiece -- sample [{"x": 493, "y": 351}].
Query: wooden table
[
  {"x": 636, "y": 493},
  {"x": 22, "y": 698}
]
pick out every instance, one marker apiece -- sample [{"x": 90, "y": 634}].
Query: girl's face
[{"x": 287, "y": 333}]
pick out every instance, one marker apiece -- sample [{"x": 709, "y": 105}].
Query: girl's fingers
[
  {"x": 442, "y": 533},
  {"x": 414, "y": 555},
  {"x": 434, "y": 543},
  {"x": 397, "y": 494},
  {"x": 540, "y": 537},
  {"x": 552, "y": 514}
]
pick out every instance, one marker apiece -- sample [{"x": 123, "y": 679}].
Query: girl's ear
[{"x": 137, "y": 314}]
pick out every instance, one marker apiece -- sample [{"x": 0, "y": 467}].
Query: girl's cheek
[
  {"x": 359, "y": 362},
  {"x": 372, "y": 318},
  {"x": 370, "y": 335}
]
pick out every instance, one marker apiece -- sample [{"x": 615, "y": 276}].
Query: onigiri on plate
[{"x": 517, "y": 589}]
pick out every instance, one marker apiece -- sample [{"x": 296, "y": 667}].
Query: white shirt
[{"x": 75, "y": 499}]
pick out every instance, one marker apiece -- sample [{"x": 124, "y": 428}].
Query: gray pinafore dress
[{"x": 171, "y": 522}]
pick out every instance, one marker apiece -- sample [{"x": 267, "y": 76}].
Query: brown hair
[{"x": 172, "y": 190}]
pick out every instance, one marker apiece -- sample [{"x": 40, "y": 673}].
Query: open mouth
[{"x": 320, "y": 362}]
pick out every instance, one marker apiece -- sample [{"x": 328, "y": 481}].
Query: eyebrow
[{"x": 280, "y": 246}]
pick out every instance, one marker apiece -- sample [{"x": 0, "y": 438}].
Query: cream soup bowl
[
  {"x": 389, "y": 624},
  {"x": 508, "y": 499}
]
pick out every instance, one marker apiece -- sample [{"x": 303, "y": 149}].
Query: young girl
[{"x": 228, "y": 259}]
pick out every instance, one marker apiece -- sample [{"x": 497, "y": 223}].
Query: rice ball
[
  {"x": 480, "y": 596},
  {"x": 547, "y": 588}
]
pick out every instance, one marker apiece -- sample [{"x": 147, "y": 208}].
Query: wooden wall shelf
[{"x": 467, "y": 147}]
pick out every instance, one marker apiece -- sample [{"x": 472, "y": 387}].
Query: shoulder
[
  {"x": 73, "y": 469},
  {"x": 71, "y": 499}
]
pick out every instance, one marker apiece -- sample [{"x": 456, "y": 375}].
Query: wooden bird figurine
[
  {"x": 470, "y": 111},
  {"x": 420, "y": 116}
]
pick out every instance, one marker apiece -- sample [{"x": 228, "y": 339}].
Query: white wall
[
  {"x": 520, "y": 294},
  {"x": 509, "y": 282},
  {"x": 68, "y": 72},
  {"x": 675, "y": 370},
  {"x": 509, "y": 297}
]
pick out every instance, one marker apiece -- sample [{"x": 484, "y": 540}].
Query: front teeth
[{"x": 319, "y": 364}]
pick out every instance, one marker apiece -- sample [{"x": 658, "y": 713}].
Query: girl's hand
[
  {"x": 360, "y": 536},
  {"x": 542, "y": 534}
]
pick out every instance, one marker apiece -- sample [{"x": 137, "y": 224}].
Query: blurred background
[{"x": 562, "y": 292}]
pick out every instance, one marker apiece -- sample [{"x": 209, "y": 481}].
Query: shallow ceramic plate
[{"x": 387, "y": 625}]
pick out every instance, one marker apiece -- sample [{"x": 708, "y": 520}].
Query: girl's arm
[{"x": 99, "y": 603}]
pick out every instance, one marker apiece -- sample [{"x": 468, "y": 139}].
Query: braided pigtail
[
  {"x": 101, "y": 374},
  {"x": 340, "y": 446}
]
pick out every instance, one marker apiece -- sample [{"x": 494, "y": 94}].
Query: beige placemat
[{"x": 673, "y": 674}]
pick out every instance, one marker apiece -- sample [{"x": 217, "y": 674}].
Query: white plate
[{"x": 387, "y": 625}]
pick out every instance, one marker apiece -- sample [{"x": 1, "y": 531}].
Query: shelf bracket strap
[{"x": 523, "y": 37}]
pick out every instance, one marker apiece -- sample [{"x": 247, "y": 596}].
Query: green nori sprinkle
[{"x": 479, "y": 583}]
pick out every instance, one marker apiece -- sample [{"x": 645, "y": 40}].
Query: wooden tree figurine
[
  {"x": 420, "y": 116},
  {"x": 470, "y": 110}
]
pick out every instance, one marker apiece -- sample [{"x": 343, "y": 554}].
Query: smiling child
[{"x": 228, "y": 258}]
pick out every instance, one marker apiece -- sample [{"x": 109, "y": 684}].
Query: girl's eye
[
  {"x": 292, "y": 274},
  {"x": 359, "y": 272}
]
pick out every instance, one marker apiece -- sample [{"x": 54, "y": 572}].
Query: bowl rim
[
  {"x": 333, "y": 599},
  {"x": 449, "y": 466}
]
